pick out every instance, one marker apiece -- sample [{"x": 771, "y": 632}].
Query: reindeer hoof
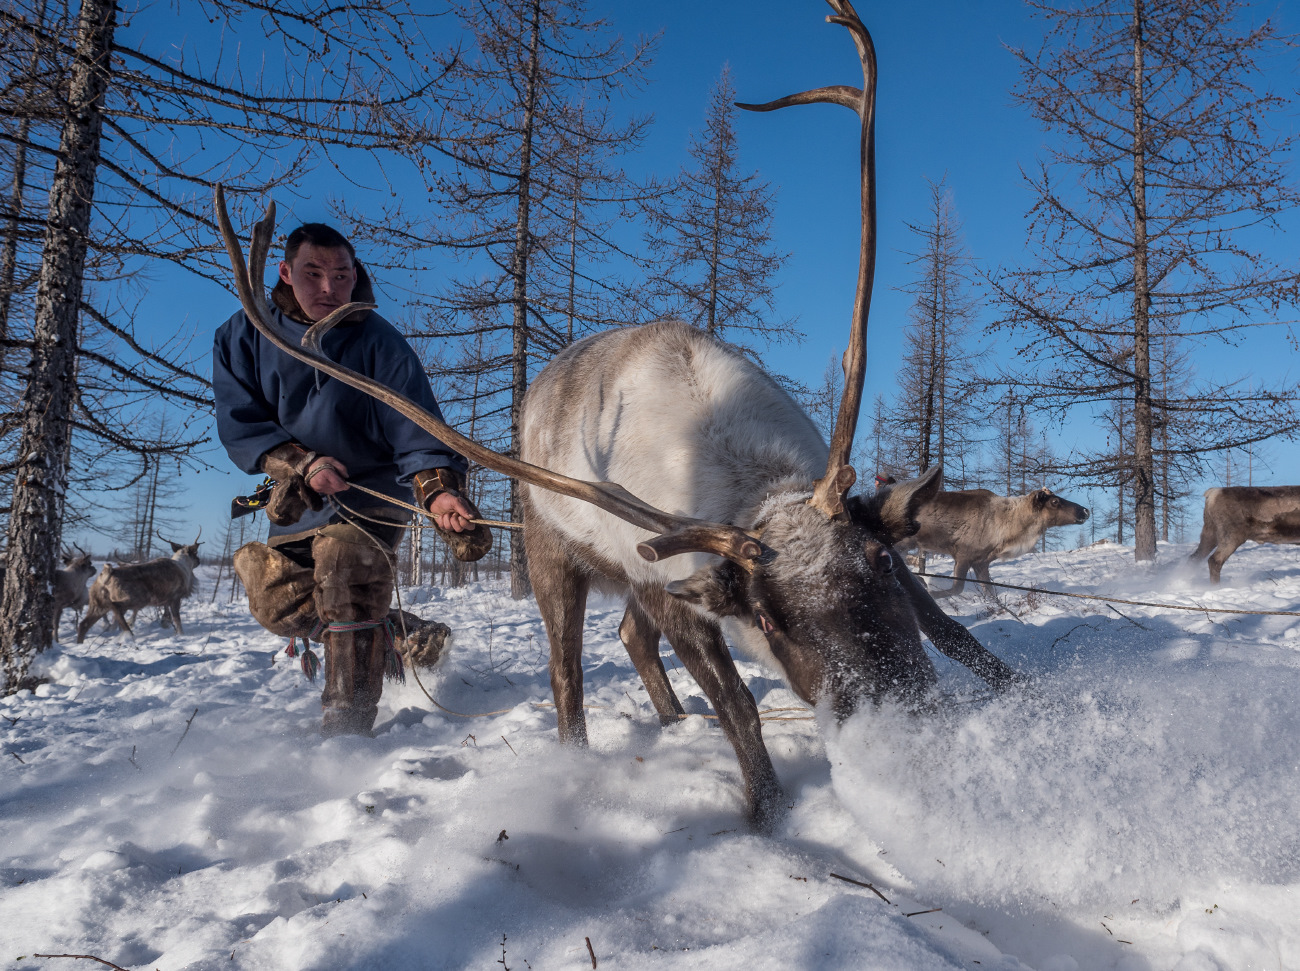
[{"x": 767, "y": 807}]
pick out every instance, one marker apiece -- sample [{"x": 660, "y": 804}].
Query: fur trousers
[{"x": 346, "y": 580}]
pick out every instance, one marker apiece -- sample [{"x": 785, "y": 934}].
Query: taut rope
[
  {"x": 1118, "y": 600},
  {"x": 934, "y": 576},
  {"x": 424, "y": 512}
]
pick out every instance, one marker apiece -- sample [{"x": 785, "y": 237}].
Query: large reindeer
[{"x": 762, "y": 538}]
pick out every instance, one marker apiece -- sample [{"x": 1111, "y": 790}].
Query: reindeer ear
[
  {"x": 718, "y": 589},
  {"x": 890, "y": 514},
  {"x": 176, "y": 547}
]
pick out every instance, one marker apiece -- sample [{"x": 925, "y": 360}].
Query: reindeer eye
[{"x": 886, "y": 563}]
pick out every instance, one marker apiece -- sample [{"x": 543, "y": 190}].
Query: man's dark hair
[{"x": 318, "y": 234}]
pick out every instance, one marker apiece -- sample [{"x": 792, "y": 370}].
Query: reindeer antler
[
  {"x": 678, "y": 534},
  {"x": 829, "y": 491}
]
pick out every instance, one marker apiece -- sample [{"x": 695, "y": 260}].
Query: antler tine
[
  {"x": 316, "y": 331},
  {"x": 259, "y": 247},
  {"x": 829, "y": 491},
  {"x": 678, "y": 534}
]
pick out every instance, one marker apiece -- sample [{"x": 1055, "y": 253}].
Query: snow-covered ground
[{"x": 167, "y": 802}]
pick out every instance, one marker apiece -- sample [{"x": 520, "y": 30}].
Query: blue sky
[{"x": 944, "y": 110}]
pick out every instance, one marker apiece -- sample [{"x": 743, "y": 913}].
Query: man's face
[{"x": 322, "y": 278}]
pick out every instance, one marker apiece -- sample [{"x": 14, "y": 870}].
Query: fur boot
[
  {"x": 354, "y": 680},
  {"x": 353, "y": 584},
  {"x": 421, "y": 642}
]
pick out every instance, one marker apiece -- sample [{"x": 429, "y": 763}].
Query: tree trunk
[
  {"x": 715, "y": 250},
  {"x": 520, "y": 586},
  {"x": 40, "y": 482},
  {"x": 151, "y": 509},
  {"x": 1144, "y": 494},
  {"x": 9, "y": 258}
]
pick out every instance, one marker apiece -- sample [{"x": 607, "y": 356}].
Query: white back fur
[{"x": 677, "y": 418}]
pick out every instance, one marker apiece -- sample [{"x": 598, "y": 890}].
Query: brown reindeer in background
[
  {"x": 1235, "y": 514},
  {"x": 976, "y": 527},
  {"x": 162, "y": 582},
  {"x": 764, "y": 541}
]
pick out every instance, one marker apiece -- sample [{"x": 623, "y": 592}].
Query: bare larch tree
[
  {"x": 174, "y": 119},
  {"x": 934, "y": 408},
  {"x": 712, "y": 258},
  {"x": 41, "y": 477},
  {"x": 1164, "y": 167},
  {"x": 532, "y": 168}
]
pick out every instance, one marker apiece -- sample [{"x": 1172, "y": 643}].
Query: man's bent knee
[{"x": 279, "y": 589}]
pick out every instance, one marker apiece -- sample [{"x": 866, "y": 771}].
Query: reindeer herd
[
  {"x": 162, "y": 582},
  {"x": 974, "y": 527}
]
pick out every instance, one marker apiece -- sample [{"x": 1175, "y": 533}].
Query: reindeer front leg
[
  {"x": 560, "y": 588},
  {"x": 954, "y": 640},
  {"x": 698, "y": 643}
]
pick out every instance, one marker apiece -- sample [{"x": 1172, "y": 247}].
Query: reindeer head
[
  {"x": 826, "y": 598},
  {"x": 185, "y": 552},
  {"x": 1057, "y": 511},
  {"x": 78, "y": 564}
]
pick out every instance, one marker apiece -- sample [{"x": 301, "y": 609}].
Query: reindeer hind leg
[
  {"x": 174, "y": 611},
  {"x": 560, "y": 588},
  {"x": 1220, "y": 556},
  {"x": 93, "y": 614},
  {"x": 959, "y": 569},
  {"x": 120, "y": 617},
  {"x": 1209, "y": 540}
]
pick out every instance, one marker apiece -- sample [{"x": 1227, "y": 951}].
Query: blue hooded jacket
[{"x": 265, "y": 398}]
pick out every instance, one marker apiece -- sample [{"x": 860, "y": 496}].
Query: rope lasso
[
  {"x": 424, "y": 512},
  {"x": 919, "y": 573},
  {"x": 1117, "y": 600}
]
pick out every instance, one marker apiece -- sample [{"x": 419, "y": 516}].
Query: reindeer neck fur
[
  {"x": 182, "y": 559},
  {"x": 1024, "y": 529}
]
